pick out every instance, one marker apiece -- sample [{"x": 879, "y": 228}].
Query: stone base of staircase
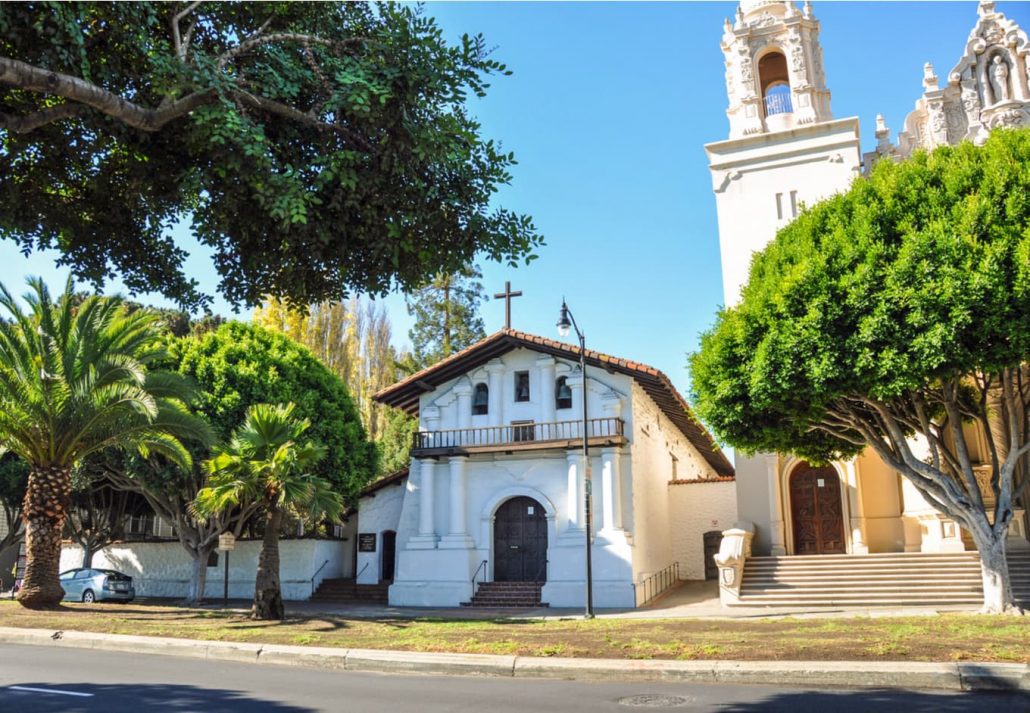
[
  {"x": 507, "y": 594},
  {"x": 347, "y": 591},
  {"x": 877, "y": 580}
]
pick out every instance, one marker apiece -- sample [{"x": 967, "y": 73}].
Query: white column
[
  {"x": 426, "y": 538},
  {"x": 574, "y": 459},
  {"x": 576, "y": 383},
  {"x": 858, "y": 543},
  {"x": 457, "y": 536},
  {"x": 545, "y": 373},
  {"x": 776, "y": 538},
  {"x": 495, "y": 382},
  {"x": 463, "y": 390},
  {"x": 611, "y": 515}
]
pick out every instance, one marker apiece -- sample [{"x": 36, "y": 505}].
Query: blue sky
[{"x": 607, "y": 112}]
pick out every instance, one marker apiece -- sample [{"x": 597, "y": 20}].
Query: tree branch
[{"x": 31, "y": 122}]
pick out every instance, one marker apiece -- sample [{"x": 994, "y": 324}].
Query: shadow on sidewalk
[
  {"x": 134, "y": 697},
  {"x": 882, "y": 700}
]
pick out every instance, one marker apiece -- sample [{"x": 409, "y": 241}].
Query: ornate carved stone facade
[
  {"x": 988, "y": 88},
  {"x": 771, "y": 27}
]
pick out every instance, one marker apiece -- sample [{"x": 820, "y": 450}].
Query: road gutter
[{"x": 959, "y": 676}]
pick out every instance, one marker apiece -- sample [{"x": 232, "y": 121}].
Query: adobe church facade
[
  {"x": 495, "y": 490},
  {"x": 785, "y": 148}
]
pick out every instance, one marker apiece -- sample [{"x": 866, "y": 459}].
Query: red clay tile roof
[
  {"x": 405, "y": 393},
  {"x": 395, "y": 477}
]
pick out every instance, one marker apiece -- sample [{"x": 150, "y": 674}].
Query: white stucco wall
[
  {"x": 162, "y": 569},
  {"x": 656, "y": 440},
  {"x": 696, "y": 508},
  {"x": 378, "y": 513}
]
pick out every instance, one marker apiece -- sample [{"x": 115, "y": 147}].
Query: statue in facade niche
[{"x": 998, "y": 73}]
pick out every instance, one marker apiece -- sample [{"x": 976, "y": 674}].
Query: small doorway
[
  {"x": 713, "y": 538},
  {"x": 389, "y": 555},
  {"x": 818, "y": 517},
  {"x": 520, "y": 541}
]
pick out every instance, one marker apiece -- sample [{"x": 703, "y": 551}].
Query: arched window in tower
[
  {"x": 481, "y": 400},
  {"x": 775, "y": 84},
  {"x": 562, "y": 393}
]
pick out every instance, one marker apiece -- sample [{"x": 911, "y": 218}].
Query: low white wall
[
  {"x": 376, "y": 514},
  {"x": 163, "y": 569},
  {"x": 694, "y": 509}
]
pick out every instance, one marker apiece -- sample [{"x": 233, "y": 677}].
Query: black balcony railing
[{"x": 518, "y": 434}]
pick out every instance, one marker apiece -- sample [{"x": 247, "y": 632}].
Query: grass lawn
[{"x": 948, "y": 637}]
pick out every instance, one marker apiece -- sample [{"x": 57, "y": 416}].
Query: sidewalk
[{"x": 818, "y": 674}]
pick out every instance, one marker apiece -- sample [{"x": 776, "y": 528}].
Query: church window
[
  {"x": 674, "y": 463},
  {"x": 779, "y": 206},
  {"x": 793, "y": 204},
  {"x": 522, "y": 386},
  {"x": 481, "y": 400},
  {"x": 775, "y": 84},
  {"x": 562, "y": 393},
  {"x": 523, "y": 431}
]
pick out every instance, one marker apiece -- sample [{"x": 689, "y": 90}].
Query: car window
[
  {"x": 69, "y": 574},
  {"x": 84, "y": 574}
]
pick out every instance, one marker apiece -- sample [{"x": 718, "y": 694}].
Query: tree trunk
[
  {"x": 87, "y": 554},
  {"x": 268, "y": 596},
  {"x": 45, "y": 509},
  {"x": 995, "y": 571},
  {"x": 198, "y": 578}
]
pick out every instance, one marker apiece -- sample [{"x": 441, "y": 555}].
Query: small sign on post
[{"x": 226, "y": 543}]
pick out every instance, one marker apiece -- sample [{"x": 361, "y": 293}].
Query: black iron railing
[
  {"x": 516, "y": 433},
  {"x": 649, "y": 588}
]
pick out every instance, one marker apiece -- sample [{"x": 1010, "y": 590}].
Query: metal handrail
[
  {"x": 476, "y": 574},
  {"x": 656, "y": 584},
  {"x": 361, "y": 572},
  {"x": 316, "y": 575},
  {"x": 518, "y": 433}
]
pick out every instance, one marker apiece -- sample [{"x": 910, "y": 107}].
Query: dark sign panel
[{"x": 366, "y": 542}]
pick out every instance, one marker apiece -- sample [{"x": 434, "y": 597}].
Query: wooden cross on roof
[{"x": 507, "y": 296}]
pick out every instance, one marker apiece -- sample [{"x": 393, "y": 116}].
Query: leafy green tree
[
  {"x": 266, "y": 462},
  {"x": 14, "y": 478},
  {"x": 446, "y": 313},
  {"x": 885, "y": 318},
  {"x": 75, "y": 379},
  {"x": 395, "y": 444},
  {"x": 317, "y": 148},
  {"x": 236, "y": 366}
]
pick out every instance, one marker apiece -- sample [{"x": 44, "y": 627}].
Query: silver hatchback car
[{"x": 97, "y": 585}]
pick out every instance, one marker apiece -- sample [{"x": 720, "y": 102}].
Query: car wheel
[{"x": 88, "y": 597}]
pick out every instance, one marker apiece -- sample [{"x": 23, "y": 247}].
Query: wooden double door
[
  {"x": 817, "y": 512},
  {"x": 520, "y": 541}
]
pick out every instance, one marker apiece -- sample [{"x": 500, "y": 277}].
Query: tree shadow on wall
[{"x": 131, "y": 697}]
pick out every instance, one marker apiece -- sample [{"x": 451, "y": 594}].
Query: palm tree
[
  {"x": 76, "y": 378},
  {"x": 265, "y": 462}
]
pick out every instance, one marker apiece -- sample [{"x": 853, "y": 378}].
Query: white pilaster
[
  {"x": 495, "y": 369},
  {"x": 577, "y": 384},
  {"x": 858, "y": 541},
  {"x": 776, "y": 537},
  {"x": 426, "y": 537},
  {"x": 576, "y": 516},
  {"x": 457, "y": 536},
  {"x": 463, "y": 390},
  {"x": 611, "y": 488},
  {"x": 545, "y": 372}
]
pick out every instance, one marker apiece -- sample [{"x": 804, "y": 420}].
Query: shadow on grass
[
  {"x": 881, "y": 700},
  {"x": 130, "y": 697}
]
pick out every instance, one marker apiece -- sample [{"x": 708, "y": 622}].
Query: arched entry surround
[
  {"x": 489, "y": 511},
  {"x": 845, "y": 496}
]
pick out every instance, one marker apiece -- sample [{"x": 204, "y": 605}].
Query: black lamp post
[{"x": 565, "y": 322}]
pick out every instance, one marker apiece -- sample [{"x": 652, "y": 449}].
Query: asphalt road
[{"x": 40, "y": 679}]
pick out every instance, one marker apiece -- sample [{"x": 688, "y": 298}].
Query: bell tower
[
  {"x": 785, "y": 149},
  {"x": 774, "y": 68}
]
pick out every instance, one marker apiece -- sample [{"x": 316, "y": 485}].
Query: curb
[{"x": 819, "y": 674}]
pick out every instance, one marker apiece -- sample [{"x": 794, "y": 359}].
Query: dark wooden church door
[
  {"x": 520, "y": 541},
  {"x": 815, "y": 505}
]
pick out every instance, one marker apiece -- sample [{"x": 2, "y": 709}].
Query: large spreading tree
[
  {"x": 316, "y": 148},
  {"x": 886, "y": 318}
]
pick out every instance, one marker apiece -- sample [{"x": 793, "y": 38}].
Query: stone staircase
[
  {"x": 347, "y": 591},
  {"x": 895, "y": 579},
  {"x": 507, "y": 594}
]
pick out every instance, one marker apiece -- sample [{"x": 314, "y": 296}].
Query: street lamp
[{"x": 565, "y": 322}]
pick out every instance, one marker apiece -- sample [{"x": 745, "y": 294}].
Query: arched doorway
[
  {"x": 520, "y": 541},
  {"x": 389, "y": 555},
  {"x": 816, "y": 511}
]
